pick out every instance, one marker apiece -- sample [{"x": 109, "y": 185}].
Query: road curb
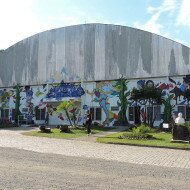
[{"x": 148, "y": 146}]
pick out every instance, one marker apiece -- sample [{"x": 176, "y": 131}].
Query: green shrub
[
  {"x": 142, "y": 129},
  {"x": 140, "y": 132},
  {"x": 187, "y": 124},
  {"x": 136, "y": 136}
]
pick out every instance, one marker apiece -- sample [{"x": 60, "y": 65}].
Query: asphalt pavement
[
  {"x": 28, "y": 162},
  {"x": 28, "y": 170}
]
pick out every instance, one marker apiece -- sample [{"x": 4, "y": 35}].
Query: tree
[
  {"x": 187, "y": 95},
  {"x": 148, "y": 95},
  {"x": 64, "y": 106},
  {"x": 137, "y": 97},
  {"x": 167, "y": 108}
]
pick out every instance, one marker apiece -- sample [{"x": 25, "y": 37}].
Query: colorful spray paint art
[{"x": 65, "y": 90}]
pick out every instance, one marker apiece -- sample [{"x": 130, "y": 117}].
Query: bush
[
  {"x": 187, "y": 124},
  {"x": 140, "y": 132},
  {"x": 136, "y": 136},
  {"x": 142, "y": 129}
]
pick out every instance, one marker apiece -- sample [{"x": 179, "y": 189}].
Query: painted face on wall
[{"x": 140, "y": 84}]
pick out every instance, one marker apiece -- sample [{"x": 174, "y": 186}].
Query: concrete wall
[{"x": 91, "y": 52}]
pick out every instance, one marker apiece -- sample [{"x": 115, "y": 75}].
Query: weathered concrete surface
[{"x": 92, "y": 52}]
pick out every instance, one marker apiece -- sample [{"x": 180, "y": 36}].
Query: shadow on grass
[
  {"x": 120, "y": 138},
  {"x": 69, "y": 132},
  {"x": 109, "y": 137},
  {"x": 41, "y": 132}
]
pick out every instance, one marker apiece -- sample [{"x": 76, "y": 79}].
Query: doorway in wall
[
  {"x": 137, "y": 115},
  {"x": 134, "y": 114}
]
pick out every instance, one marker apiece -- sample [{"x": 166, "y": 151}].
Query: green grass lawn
[
  {"x": 162, "y": 140},
  {"x": 5, "y": 126},
  {"x": 73, "y": 134}
]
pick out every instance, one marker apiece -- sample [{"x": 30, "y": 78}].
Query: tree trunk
[{"x": 67, "y": 114}]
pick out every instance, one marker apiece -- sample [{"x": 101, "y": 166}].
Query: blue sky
[{"x": 20, "y": 19}]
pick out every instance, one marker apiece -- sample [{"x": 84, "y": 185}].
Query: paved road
[
  {"x": 121, "y": 153},
  {"x": 28, "y": 170}
]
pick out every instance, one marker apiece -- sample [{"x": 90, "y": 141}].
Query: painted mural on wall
[
  {"x": 103, "y": 92},
  {"x": 70, "y": 111},
  {"x": 67, "y": 75},
  {"x": 176, "y": 88},
  {"x": 32, "y": 97},
  {"x": 173, "y": 93},
  {"x": 123, "y": 102},
  {"x": 5, "y": 96},
  {"x": 74, "y": 111},
  {"x": 60, "y": 91},
  {"x": 58, "y": 76},
  {"x": 29, "y": 104},
  {"x": 180, "y": 89},
  {"x": 65, "y": 90}
]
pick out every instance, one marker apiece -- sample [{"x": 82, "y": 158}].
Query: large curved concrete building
[
  {"x": 96, "y": 55},
  {"x": 92, "y": 52}
]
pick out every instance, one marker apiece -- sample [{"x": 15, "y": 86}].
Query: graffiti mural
[
  {"x": 5, "y": 96},
  {"x": 179, "y": 89},
  {"x": 38, "y": 92},
  {"x": 102, "y": 92},
  {"x": 32, "y": 97},
  {"x": 65, "y": 90},
  {"x": 143, "y": 83},
  {"x": 29, "y": 104},
  {"x": 64, "y": 74},
  {"x": 173, "y": 93},
  {"x": 176, "y": 88}
]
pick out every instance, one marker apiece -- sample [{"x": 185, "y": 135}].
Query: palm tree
[{"x": 64, "y": 106}]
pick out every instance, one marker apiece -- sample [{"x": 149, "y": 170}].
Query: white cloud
[
  {"x": 168, "y": 5},
  {"x": 183, "y": 18},
  {"x": 18, "y": 21},
  {"x": 151, "y": 9},
  {"x": 153, "y": 25}
]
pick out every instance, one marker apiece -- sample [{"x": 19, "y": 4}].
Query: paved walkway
[
  {"x": 92, "y": 137},
  {"x": 81, "y": 148}
]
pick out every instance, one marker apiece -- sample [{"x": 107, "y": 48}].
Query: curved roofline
[{"x": 97, "y": 24}]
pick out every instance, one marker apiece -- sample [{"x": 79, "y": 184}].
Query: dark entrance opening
[{"x": 137, "y": 115}]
